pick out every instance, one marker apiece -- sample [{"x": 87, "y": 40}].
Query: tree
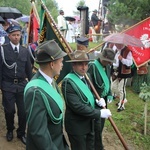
[
  {"x": 145, "y": 95},
  {"x": 80, "y": 3},
  {"x": 128, "y": 12},
  {"x": 52, "y": 7},
  {"x": 23, "y": 6}
]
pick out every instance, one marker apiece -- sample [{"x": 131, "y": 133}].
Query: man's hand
[
  {"x": 120, "y": 57},
  {"x": 101, "y": 102},
  {"x": 105, "y": 113}
]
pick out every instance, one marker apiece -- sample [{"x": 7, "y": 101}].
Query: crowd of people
[
  {"x": 45, "y": 110},
  {"x": 71, "y": 29}
]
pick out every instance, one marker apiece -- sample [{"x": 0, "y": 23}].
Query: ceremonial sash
[
  {"x": 103, "y": 75},
  {"x": 83, "y": 87},
  {"x": 51, "y": 92}
]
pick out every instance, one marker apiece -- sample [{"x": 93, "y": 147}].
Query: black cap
[
  {"x": 13, "y": 28},
  {"x": 83, "y": 41},
  {"x": 95, "y": 10}
]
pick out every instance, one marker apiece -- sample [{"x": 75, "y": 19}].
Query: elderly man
[{"x": 43, "y": 102}]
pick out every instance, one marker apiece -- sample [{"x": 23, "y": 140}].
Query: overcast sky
[{"x": 70, "y": 5}]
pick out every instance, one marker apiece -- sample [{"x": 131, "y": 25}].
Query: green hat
[
  {"x": 48, "y": 51},
  {"x": 108, "y": 55},
  {"x": 79, "y": 56}
]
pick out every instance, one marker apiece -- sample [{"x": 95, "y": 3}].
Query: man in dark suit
[
  {"x": 100, "y": 74},
  {"x": 80, "y": 104},
  {"x": 15, "y": 70},
  {"x": 43, "y": 102},
  {"x": 94, "y": 18}
]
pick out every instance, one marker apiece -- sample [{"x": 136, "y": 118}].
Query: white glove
[
  {"x": 101, "y": 102},
  {"x": 109, "y": 101},
  {"x": 105, "y": 113}
]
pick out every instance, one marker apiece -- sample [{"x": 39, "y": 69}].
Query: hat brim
[
  {"x": 106, "y": 59},
  {"x": 45, "y": 61},
  {"x": 14, "y": 30},
  {"x": 80, "y": 60}
]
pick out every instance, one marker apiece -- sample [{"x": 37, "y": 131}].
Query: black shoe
[
  {"x": 23, "y": 139},
  {"x": 120, "y": 109},
  {"x": 9, "y": 136},
  {"x": 114, "y": 97},
  {"x": 117, "y": 104}
]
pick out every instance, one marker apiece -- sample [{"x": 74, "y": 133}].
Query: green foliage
[
  {"x": 23, "y": 6},
  {"x": 128, "y": 12},
  {"x": 145, "y": 92},
  {"x": 51, "y": 5},
  {"x": 80, "y": 3},
  {"x": 130, "y": 122}
]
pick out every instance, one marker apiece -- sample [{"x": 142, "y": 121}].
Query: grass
[{"x": 131, "y": 121}]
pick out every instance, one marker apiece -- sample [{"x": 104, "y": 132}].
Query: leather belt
[{"x": 15, "y": 80}]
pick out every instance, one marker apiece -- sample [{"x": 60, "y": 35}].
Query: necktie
[
  {"x": 16, "y": 52},
  {"x": 53, "y": 84},
  {"x": 83, "y": 79}
]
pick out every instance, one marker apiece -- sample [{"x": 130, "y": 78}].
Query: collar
[
  {"x": 48, "y": 79},
  {"x": 81, "y": 77},
  {"x": 13, "y": 46}
]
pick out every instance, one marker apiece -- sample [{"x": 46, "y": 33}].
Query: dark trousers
[
  {"x": 82, "y": 142},
  {"x": 9, "y": 101},
  {"x": 98, "y": 128},
  {"x": 99, "y": 125}
]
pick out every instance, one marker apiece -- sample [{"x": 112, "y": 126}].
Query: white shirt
[
  {"x": 125, "y": 61},
  {"x": 61, "y": 22},
  {"x": 48, "y": 79},
  {"x": 13, "y": 46}
]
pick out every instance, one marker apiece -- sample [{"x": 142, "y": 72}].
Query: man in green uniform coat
[
  {"x": 100, "y": 74},
  {"x": 43, "y": 103},
  {"x": 80, "y": 104}
]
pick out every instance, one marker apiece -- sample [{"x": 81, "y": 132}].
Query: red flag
[
  {"x": 33, "y": 27},
  {"x": 141, "y": 31}
]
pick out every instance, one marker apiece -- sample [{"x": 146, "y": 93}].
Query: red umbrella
[{"x": 122, "y": 38}]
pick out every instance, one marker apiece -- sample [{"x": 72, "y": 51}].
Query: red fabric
[
  {"x": 90, "y": 35},
  {"x": 33, "y": 28},
  {"x": 141, "y": 31}
]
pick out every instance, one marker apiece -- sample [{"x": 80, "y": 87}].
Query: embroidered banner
[
  {"x": 33, "y": 27},
  {"x": 141, "y": 31}
]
